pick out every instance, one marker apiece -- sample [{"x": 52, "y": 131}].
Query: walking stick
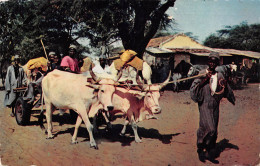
[
  {"x": 44, "y": 50},
  {"x": 188, "y": 78}
]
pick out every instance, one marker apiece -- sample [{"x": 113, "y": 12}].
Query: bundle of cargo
[
  {"x": 32, "y": 64},
  {"x": 40, "y": 62}
]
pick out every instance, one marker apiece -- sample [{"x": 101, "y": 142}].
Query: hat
[
  {"x": 52, "y": 53},
  {"x": 72, "y": 47},
  {"x": 127, "y": 55},
  {"x": 214, "y": 54}
]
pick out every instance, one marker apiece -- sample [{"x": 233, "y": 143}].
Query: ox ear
[
  {"x": 166, "y": 81},
  {"x": 140, "y": 96}
]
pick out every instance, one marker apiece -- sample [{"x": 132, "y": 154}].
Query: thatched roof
[{"x": 182, "y": 43}]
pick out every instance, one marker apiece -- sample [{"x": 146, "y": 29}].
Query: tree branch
[{"x": 156, "y": 19}]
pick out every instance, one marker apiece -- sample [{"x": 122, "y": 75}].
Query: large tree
[
  {"x": 240, "y": 37},
  {"x": 135, "y": 22},
  {"x": 61, "y": 22}
]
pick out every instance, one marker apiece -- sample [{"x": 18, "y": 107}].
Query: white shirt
[
  {"x": 233, "y": 67},
  {"x": 213, "y": 82}
]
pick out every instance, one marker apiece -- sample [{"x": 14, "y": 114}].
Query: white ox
[
  {"x": 66, "y": 90},
  {"x": 130, "y": 73},
  {"x": 137, "y": 105}
]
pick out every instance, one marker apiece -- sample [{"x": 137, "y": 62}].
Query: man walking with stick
[{"x": 207, "y": 92}]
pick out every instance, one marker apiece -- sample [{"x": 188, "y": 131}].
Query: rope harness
[{"x": 170, "y": 82}]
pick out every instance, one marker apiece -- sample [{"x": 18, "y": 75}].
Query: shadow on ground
[
  {"x": 113, "y": 135},
  {"x": 221, "y": 146}
]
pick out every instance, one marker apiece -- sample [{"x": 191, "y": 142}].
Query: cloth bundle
[{"x": 36, "y": 63}]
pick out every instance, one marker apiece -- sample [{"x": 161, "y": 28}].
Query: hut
[{"x": 165, "y": 53}]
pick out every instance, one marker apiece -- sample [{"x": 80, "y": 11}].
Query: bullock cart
[{"x": 23, "y": 108}]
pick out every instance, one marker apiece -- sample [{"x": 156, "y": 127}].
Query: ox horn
[
  {"x": 94, "y": 77},
  {"x": 166, "y": 81},
  {"x": 119, "y": 75},
  {"x": 139, "y": 82}
]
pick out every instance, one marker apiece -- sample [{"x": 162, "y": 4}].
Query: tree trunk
[{"x": 137, "y": 39}]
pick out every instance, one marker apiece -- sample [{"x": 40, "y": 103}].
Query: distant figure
[
  {"x": 233, "y": 67},
  {"x": 70, "y": 63},
  {"x": 130, "y": 64},
  {"x": 255, "y": 71},
  {"x": 101, "y": 66},
  {"x": 15, "y": 78},
  {"x": 207, "y": 92},
  {"x": 54, "y": 61}
]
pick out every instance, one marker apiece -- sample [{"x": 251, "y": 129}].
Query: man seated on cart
[{"x": 38, "y": 68}]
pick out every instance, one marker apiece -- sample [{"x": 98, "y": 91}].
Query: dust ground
[{"x": 170, "y": 140}]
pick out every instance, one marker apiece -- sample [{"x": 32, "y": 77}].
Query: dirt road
[{"x": 170, "y": 140}]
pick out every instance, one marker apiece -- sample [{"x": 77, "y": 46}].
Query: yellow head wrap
[
  {"x": 127, "y": 55},
  {"x": 37, "y": 62}
]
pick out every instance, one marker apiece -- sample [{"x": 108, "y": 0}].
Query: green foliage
[
  {"x": 61, "y": 22},
  {"x": 25, "y": 23},
  {"x": 240, "y": 37}
]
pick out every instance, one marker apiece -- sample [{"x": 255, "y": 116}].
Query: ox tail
[{"x": 40, "y": 120}]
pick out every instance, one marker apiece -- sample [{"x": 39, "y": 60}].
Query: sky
[{"x": 204, "y": 17}]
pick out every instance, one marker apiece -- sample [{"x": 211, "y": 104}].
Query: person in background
[
  {"x": 15, "y": 78},
  {"x": 101, "y": 66},
  {"x": 57, "y": 61},
  {"x": 50, "y": 61},
  {"x": 54, "y": 61},
  {"x": 36, "y": 84},
  {"x": 207, "y": 92},
  {"x": 70, "y": 63},
  {"x": 233, "y": 68}
]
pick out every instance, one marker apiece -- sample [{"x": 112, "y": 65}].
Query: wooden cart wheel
[{"x": 22, "y": 112}]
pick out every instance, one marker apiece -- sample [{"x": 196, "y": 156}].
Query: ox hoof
[
  {"x": 138, "y": 141},
  {"x": 50, "y": 137},
  {"x": 94, "y": 147},
  {"x": 122, "y": 134},
  {"x": 74, "y": 142}
]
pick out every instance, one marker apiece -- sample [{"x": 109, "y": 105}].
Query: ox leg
[
  {"x": 89, "y": 127},
  {"x": 49, "y": 111},
  {"x": 109, "y": 126},
  {"x": 75, "y": 134},
  {"x": 134, "y": 127},
  {"x": 124, "y": 128}
]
